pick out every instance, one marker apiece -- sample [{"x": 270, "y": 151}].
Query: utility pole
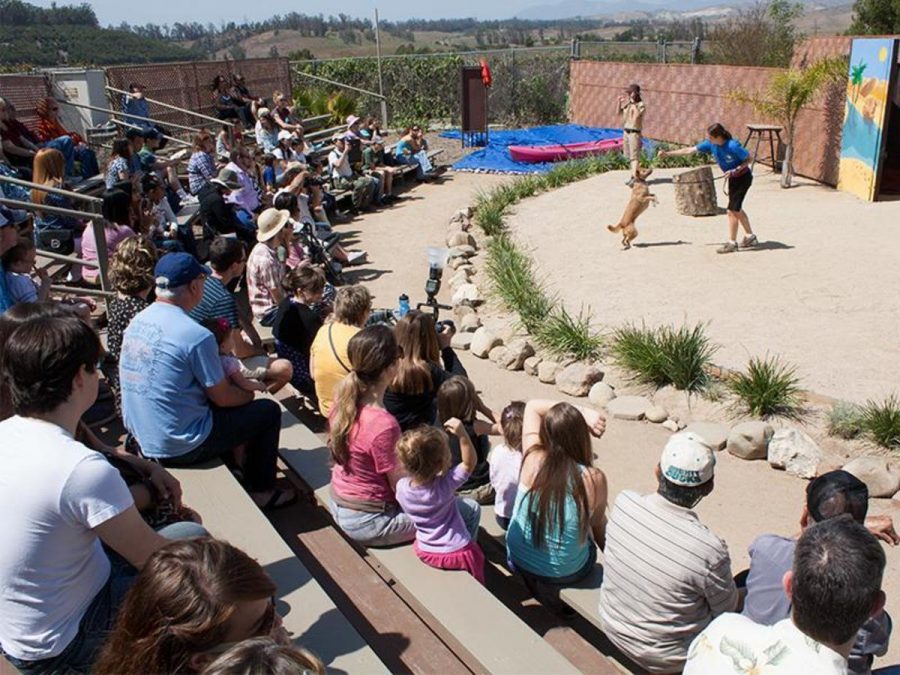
[{"x": 384, "y": 119}]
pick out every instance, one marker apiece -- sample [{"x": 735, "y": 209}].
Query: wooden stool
[{"x": 773, "y": 131}]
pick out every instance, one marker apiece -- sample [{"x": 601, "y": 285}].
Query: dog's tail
[{"x": 614, "y": 228}]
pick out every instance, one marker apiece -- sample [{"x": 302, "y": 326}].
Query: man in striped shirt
[{"x": 666, "y": 576}]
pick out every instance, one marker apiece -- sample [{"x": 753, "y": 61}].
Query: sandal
[{"x": 275, "y": 501}]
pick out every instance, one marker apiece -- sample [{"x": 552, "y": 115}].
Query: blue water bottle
[{"x": 404, "y": 305}]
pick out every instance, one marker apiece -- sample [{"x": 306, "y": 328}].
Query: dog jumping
[{"x": 640, "y": 201}]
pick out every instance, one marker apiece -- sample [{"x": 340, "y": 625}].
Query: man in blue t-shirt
[
  {"x": 176, "y": 399},
  {"x": 9, "y": 235},
  {"x": 735, "y": 162}
]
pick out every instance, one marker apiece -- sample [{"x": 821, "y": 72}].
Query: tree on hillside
[
  {"x": 763, "y": 35},
  {"x": 875, "y": 17}
]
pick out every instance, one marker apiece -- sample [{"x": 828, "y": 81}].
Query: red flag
[{"x": 486, "y": 78}]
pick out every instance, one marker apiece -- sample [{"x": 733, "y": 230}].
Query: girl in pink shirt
[
  {"x": 117, "y": 228},
  {"x": 446, "y": 525}
]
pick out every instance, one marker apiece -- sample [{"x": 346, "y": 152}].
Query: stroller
[{"x": 319, "y": 249}]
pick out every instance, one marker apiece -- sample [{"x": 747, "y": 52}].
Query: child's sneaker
[
  {"x": 728, "y": 247},
  {"x": 749, "y": 242}
]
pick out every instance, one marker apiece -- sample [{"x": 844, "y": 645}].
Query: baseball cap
[
  {"x": 131, "y": 132},
  {"x": 284, "y": 135},
  {"x": 227, "y": 179},
  {"x": 836, "y": 493},
  {"x": 151, "y": 134},
  {"x": 263, "y": 112},
  {"x": 178, "y": 269},
  {"x": 338, "y": 137},
  {"x": 687, "y": 460}
]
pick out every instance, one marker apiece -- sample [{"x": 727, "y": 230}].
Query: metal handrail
[
  {"x": 59, "y": 210},
  {"x": 53, "y": 190},
  {"x": 71, "y": 260},
  {"x": 173, "y": 107},
  {"x": 81, "y": 290},
  {"x": 341, "y": 84},
  {"x": 116, "y": 113}
]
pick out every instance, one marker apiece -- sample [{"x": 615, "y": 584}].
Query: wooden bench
[
  {"x": 480, "y": 629},
  {"x": 312, "y": 618}
]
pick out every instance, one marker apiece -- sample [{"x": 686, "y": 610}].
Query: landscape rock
[
  {"x": 464, "y": 251},
  {"x": 578, "y": 378},
  {"x": 547, "y": 371},
  {"x": 461, "y": 277},
  {"x": 671, "y": 425},
  {"x": 462, "y": 311},
  {"x": 750, "y": 440},
  {"x": 498, "y": 354},
  {"x": 881, "y": 476},
  {"x": 796, "y": 452},
  {"x": 601, "y": 394},
  {"x": 656, "y": 414},
  {"x": 460, "y": 216},
  {"x": 713, "y": 434},
  {"x": 457, "y": 263},
  {"x": 461, "y": 341},
  {"x": 517, "y": 352},
  {"x": 467, "y": 294},
  {"x": 467, "y": 211},
  {"x": 628, "y": 407},
  {"x": 470, "y": 323},
  {"x": 460, "y": 238},
  {"x": 483, "y": 342},
  {"x": 531, "y": 365}
]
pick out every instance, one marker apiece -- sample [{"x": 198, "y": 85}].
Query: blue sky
[{"x": 170, "y": 11}]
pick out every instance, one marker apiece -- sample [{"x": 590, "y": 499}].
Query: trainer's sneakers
[
  {"x": 728, "y": 247},
  {"x": 749, "y": 242}
]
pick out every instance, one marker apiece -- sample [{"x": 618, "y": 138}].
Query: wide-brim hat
[
  {"x": 285, "y": 135},
  {"x": 270, "y": 223},
  {"x": 227, "y": 179},
  {"x": 351, "y": 120}
]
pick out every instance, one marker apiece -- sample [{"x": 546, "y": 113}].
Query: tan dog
[{"x": 640, "y": 201}]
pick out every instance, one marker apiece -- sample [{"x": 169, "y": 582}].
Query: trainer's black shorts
[{"x": 737, "y": 190}]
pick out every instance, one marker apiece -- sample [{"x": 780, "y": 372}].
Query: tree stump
[{"x": 695, "y": 193}]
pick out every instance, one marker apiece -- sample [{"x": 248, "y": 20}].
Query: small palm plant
[{"x": 788, "y": 92}]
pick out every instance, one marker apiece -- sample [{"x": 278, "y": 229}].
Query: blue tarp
[{"x": 495, "y": 156}]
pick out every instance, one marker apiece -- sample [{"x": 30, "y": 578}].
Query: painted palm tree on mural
[{"x": 856, "y": 78}]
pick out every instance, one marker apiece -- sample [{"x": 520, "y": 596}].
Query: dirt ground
[{"x": 806, "y": 297}]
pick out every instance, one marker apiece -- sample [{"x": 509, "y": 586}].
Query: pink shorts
[{"x": 469, "y": 558}]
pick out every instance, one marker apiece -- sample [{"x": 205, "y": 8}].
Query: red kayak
[{"x": 558, "y": 153}]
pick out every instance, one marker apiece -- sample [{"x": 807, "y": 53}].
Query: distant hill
[{"x": 70, "y": 35}]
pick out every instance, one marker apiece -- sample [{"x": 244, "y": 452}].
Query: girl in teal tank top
[{"x": 560, "y": 507}]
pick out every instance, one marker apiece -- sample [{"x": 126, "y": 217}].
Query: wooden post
[{"x": 695, "y": 193}]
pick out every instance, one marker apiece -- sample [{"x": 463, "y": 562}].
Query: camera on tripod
[{"x": 437, "y": 261}]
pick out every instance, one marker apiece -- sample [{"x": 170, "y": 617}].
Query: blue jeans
[
  {"x": 256, "y": 425},
  {"x": 99, "y": 618},
  {"x": 88, "y": 159},
  {"x": 408, "y": 161}
]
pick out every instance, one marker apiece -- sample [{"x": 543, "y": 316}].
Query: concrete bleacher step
[
  {"x": 485, "y": 634},
  {"x": 312, "y": 618}
]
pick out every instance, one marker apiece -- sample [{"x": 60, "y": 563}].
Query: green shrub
[
  {"x": 769, "y": 387},
  {"x": 564, "y": 334},
  {"x": 882, "y": 421},
  {"x": 665, "y": 355},
  {"x": 845, "y": 420}
]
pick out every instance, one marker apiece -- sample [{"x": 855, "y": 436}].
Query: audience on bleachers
[
  {"x": 53, "y": 231},
  {"x": 220, "y": 216},
  {"x": 229, "y": 139},
  {"x": 297, "y": 321},
  {"x": 21, "y": 145},
  {"x": 266, "y": 130},
  {"x": 118, "y": 167},
  {"x": 49, "y": 129},
  {"x": 833, "y": 587},
  {"x": 458, "y": 399},
  {"x": 61, "y": 586},
  {"x": 245, "y": 102},
  {"x": 666, "y": 576},
  {"x": 426, "y": 362},
  {"x": 362, "y": 439},
  {"x": 162, "y": 223},
  {"x": 118, "y": 220},
  {"x": 164, "y": 169},
  {"x": 9, "y": 236},
  {"x": 264, "y": 656},
  {"x": 831, "y": 495},
  {"x": 176, "y": 400},
  {"x": 329, "y": 360},
  {"x": 344, "y": 178},
  {"x": 19, "y": 263},
  {"x": 559, "y": 516},
  {"x": 223, "y": 101},
  {"x": 201, "y": 166},
  {"x": 134, "y": 103},
  {"x": 412, "y": 150},
  {"x": 505, "y": 462},
  {"x": 266, "y": 265},
  {"x": 283, "y": 114},
  {"x": 192, "y": 601},
  {"x": 446, "y": 525}
]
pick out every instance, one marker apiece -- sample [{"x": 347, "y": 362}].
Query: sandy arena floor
[
  {"x": 820, "y": 290},
  {"x": 804, "y": 302}
]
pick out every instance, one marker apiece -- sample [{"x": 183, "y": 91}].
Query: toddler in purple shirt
[{"x": 446, "y": 525}]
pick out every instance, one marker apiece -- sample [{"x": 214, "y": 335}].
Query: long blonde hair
[
  {"x": 49, "y": 169},
  {"x": 418, "y": 343},
  {"x": 371, "y": 352}
]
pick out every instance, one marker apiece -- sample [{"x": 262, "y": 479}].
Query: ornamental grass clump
[
  {"x": 769, "y": 388},
  {"x": 845, "y": 420},
  {"x": 666, "y": 355},
  {"x": 565, "y": 334},
  {"x": 882, "y": 422}
]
